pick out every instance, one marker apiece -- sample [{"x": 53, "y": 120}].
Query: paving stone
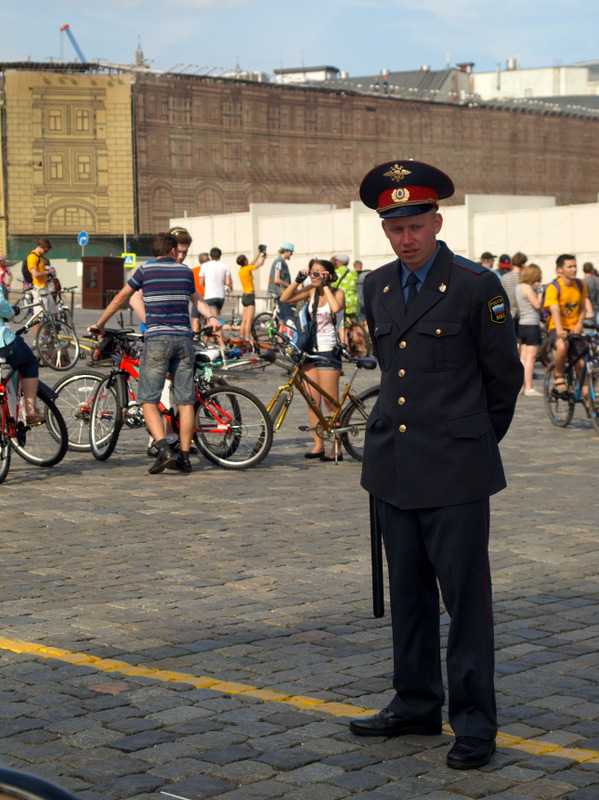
[
  {"x": 198, "y": 786},
  {"x": 109, "y": 769}
]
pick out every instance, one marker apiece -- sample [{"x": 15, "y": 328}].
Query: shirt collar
[{"x": 421, "y": 272}]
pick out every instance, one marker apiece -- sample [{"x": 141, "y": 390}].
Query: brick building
[{"x": 137, "y": 148}]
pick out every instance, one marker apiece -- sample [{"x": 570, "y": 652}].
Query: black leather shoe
[
  {"x": 163, "y": 460},
  {"x": 386, "y": 723},
  {"x": 470, "y": 752}
]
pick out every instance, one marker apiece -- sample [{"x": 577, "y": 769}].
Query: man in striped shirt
[{"x": 167, "y": 289}]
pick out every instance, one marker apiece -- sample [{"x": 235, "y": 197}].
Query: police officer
[{"x": 445, "y": 343}]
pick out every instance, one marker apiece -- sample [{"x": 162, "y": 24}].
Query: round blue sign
[{"x": 82, "y": 238}]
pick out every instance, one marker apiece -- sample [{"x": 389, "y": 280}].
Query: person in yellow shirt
[
  {"x": 248, "y": 298},
  {"x": 565, "y": 300}
]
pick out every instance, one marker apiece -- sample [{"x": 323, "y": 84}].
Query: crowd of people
[{"x": 558, "y": 309}]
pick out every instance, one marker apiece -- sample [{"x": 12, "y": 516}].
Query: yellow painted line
[{"x": 532, "y": 746}]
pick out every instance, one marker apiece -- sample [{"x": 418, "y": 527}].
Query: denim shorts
[
  {"x": 162, "y": 356},
  {"x": 21, "y": 357}
]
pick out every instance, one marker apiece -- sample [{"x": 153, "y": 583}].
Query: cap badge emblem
[
  {"x": 442, "y": 288},
  {"x": 386, "y": 289},
  {"x": 397, "y": 173},
  {"x": 400, "y": 195}
]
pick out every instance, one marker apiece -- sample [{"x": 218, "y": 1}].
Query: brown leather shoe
[{"x": 35, "y": 418}]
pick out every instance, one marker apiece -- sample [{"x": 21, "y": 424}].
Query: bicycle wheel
[
  {"x": 65, "y": 315},
  {"x": 46, "y": 443},
  {"x": 75, "y": 396},
  {"x": 559, "y": 404},
  {"x": 261, "y": 326},
  {"x": 358, "y": 341},
  {"x": 355, "y": 418},
  {"x": 593, "y": 396},
  {"x": 5, "y": 452},
  {"x": 57, "y": 345},
  {"x": 17, "y": 784},
  {"x": 232, "y": 428},
  {"x": 106, "y": 418}
]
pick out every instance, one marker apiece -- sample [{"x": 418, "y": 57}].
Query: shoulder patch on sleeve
[
  {"x": 497, "y": 309},
  {"x": 471, "y": 266}
]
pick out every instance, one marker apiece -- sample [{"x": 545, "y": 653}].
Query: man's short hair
[
  {"x": 215, "y": 254},
  {"x": 519, "y": 259},
  {"x": 203, "y": 257},
  {"x": 182, "y": 235},
  {"x": 560, "y": 260},
  {"x": 242, "y": 260},
  {"x": 45, "y": 243},
  {"x": 588, "y": 268},
  {"x": 163, "y": 244}
]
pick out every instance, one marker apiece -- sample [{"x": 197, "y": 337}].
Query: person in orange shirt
[
  {"x": 200, "y": 289},
  {"x": 248, "y": 299}
]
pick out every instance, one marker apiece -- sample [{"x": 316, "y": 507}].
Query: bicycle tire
[
  {"x": 593, "y": 379},
  {"x": 21, "y": 785},
  {"x": 76, "y": 392},
  {"x": 355, "y": 417},
  {"x": 232, "y": 428},
  {"x": 65, "y": 315},
  {"x": 560, "y": 409},
  {"x": 278, "y": 406},
  {"x": 46, "y": 443},
  {"x": 5, "y": 451},
  {"x": 57, "y": 345},
  {"x": 106, "y": 418},
  {"x": 261, "y": 325}
]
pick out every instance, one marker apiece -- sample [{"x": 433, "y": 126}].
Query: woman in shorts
[
  {"x": 530, "y": 300},
  {"x": 248, "y": 297},
  {"x": 326, "y": 309}
]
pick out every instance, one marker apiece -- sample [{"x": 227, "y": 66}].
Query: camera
[{"x": 262, "y": 248}]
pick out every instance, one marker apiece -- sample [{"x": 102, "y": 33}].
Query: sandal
[{"x": 560, "y": 387}]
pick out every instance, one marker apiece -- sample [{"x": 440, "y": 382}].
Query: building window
[
  {"x": 71, "y": 217},
  {"x": 55, "y": 120},
  {"x": 81, "y": 120},
  {"x": 56, "y": 167},
  {"x": 84, "y": 168}
]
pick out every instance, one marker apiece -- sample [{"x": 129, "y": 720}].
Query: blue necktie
[{"x": 412, "y": 291}]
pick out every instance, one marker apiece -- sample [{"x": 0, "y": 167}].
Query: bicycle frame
[
  {"x": 298, "y": 380},
  {"x": 10, "y": 400}
]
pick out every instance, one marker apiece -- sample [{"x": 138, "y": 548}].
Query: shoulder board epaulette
[
  {"x": 378, "y": 270},
  {"x": 471, "y": 266}
]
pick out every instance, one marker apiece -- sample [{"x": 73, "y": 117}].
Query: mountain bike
[
  {"x": 232, "y": 428},
  {"x": 351, "y": 410},
  {"x": 560, "y": 402},
  {"x": 43, "y": 444}
]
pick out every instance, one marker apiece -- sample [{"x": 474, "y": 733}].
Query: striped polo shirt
[{"x": 167, "y": 287}]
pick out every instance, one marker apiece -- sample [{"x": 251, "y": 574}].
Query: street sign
[
  {"x": 129, "y": 259},
  {"x": 82, "y": 238}
]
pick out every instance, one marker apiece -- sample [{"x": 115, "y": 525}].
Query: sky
[{"x": 360, "y": 37}]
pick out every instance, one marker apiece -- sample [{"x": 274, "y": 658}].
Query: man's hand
[
  {"x": 214, "y": 323},
  {"x": 96, "y": 330}
]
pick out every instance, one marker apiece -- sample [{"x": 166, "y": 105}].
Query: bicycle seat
[{"x": 364, "y": 363}]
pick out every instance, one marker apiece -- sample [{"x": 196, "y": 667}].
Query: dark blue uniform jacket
[{"x": 451, "y": 375}]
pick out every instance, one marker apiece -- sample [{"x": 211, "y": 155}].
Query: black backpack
[{"x": 25, "y": 271}]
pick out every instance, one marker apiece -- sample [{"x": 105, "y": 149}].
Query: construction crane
[{"x": 67, "y": 30}]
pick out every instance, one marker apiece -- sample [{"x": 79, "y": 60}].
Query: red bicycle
[{"x": 232, "y": 427}]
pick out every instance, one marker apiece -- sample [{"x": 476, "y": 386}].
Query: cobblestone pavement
[{"x": 209, "y": 635}]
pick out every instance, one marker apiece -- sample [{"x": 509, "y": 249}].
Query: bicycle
[
  {"x": 22, "y": 785},
  {"x": 351, "y": 410},
  {"x": 75, "y": 393},
  {"x": 560, "y": 403},
  {"x": 232, "y": 428},
  {"x": 55, "y": 341},
  {"x": 43, "y": 444}
]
